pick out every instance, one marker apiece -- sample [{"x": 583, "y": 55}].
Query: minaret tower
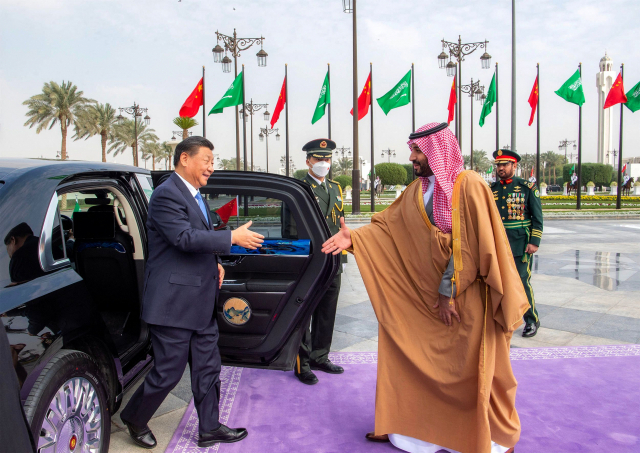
[{"x": 604, "y": 81}]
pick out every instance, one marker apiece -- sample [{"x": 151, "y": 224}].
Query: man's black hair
[
  {"x": 191, "y": 146},
  {"x": 18, "y": 231}
]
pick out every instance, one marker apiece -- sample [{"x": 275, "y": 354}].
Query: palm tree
[
  {"x": 152, "y": 150},
  {"x": 528, "y": 162},
  {"x": 124, "y": 137},
  {"x": 166, "y": 153},
  {"x": 99, "y": 119},
  {"x": 557, "y": 161},
  {"x": 230, "y": 164},
  {"x": 185, "y": 123},
  {"x": 343, "y": 166},
  {"x": 56, "y": 104},
  {"x": 549, "y": 160}
]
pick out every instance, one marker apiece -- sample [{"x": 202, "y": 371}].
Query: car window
[
  {"x": 270, "y": 217},
  {"x": 147, "y": 185}
]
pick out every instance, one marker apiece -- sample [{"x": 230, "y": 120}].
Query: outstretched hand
[
  {"x": 246, "y": 238},
  {"x": 339, "y": 241},
  {"x": 447, "y": 309}
]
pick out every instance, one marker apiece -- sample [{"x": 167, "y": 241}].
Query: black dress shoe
[
  {"x": 307, "y": 377},
  {"x": 142, "y": 436},
  {"x": 531, "y": 329},
  {"x": 327, "y": 367},
  {"x": 222, "y": 435}
]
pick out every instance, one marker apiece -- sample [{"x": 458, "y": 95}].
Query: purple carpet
[{"x": 582, "y": 399}]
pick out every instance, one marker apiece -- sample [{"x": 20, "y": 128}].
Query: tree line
[{"x": 65, "y": 105}]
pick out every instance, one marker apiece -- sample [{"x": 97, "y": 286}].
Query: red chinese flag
[
  {"x": 364, "y": 101},
  {"x": 616, "y": 93},
  {"x": 624, "y": 168},
  {"x": 531, "y": 176},
  {"x": 228, "y": 210},
  {"x": 452, "y": 101},
  {"x": 280, "y": 105},
  {"x": 194, "y": 101},
  {"x": 533, "y": 101}
]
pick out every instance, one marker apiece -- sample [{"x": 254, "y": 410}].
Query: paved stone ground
[{"x": 586, "y": 279}]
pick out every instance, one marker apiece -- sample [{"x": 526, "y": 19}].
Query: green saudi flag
[
  {"x": 572, "y": 90},
  {"x": 76, "y": 208},
  {"x": 398, "y": 96},
  {"x": 489, "y": 170},
  {"x": 232, "y": 97},
  {"x": 323, "y": 100},
  {"x": 489, "y": 101},
  {"x": 633, "y": 98}
]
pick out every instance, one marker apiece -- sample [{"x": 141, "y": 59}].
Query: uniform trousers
[
  {"x": 316, "y": 343},
  {"x": 524, "y": 270},
  {"x": 172, "y": 349}
]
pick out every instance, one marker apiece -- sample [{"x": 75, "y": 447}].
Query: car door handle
[{"x": 233, "y": 262}]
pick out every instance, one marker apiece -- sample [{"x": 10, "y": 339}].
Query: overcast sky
[{"x": 152, "y": 52}]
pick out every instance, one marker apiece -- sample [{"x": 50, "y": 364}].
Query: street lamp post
[
  {"x": 473, "y": 89},
  {"x": 136, "y": 111},
  {"x": 388, "y": 152},
  {"x": 341, "y": 153},
  {"x": 615, "y": 154},
  {"x": 237, "y": 45},
  {"x": 264, "y": 134},
  {"x": 283, "y": 162},
  {"x": 459, "y": 50},
  {"x": 349, "y": 6},
  {"x": 564, "y": 144},
  {"x": 249, "y": 109},
  {"x": 180, "y": 133}
]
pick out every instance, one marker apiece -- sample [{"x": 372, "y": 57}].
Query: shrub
[
  {"x": 343, "y": 180},
  {"x": 590, "y": 184},
  {"x": 544, "y": 184},
  {"x": 614, "y": 184},
  {"x": 300, "y": 174},
  {"x": 409, "y": 170},
  {"x": 391, "y": 174},
  {"x": 600, "y": 174}
]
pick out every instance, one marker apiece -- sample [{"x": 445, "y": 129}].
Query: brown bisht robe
[{"x": 450, "y": 386}]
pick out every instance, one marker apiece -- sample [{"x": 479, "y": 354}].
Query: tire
[{"x": 82, "y": 426}]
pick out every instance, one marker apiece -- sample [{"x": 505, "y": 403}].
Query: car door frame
[{"x": 279, "y": 352}]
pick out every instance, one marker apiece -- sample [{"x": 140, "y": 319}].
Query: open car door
[{"x": 268, "y": 294}]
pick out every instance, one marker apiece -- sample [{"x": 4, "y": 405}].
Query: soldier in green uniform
[
  {"x": 518, "y": 202},
  {"x": 314, "y": 350}
]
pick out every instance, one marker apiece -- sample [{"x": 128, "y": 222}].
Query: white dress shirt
[{"x": 192, "y": 189}]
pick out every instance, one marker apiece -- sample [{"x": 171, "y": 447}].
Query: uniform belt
[{"x": 517, "y": 223}]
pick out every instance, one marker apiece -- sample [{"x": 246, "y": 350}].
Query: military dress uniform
[
  {"x": 518, "y": 202},
  {"x": 316, "y": 343}
]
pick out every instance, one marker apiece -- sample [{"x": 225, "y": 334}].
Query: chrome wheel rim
[{"x": 73, "y": 420}]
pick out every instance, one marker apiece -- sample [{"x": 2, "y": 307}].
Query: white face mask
[{"x": 321, "y": 168}]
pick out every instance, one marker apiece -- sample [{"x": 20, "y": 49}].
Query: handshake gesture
[{"x": 246, "y": 238}]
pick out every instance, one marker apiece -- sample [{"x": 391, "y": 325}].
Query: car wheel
[{"x": 67, "y": 407}]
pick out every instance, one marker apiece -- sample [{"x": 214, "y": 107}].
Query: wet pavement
[{"x": 586, "y": 279}]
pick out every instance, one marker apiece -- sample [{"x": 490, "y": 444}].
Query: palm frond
[{"x": 184, "y": 122}]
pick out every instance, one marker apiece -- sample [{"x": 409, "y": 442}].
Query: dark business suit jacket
[{"x": 181, "y": 276}]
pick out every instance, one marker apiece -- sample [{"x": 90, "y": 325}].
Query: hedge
[
  {"x": 343, "y": 180},
  {"x": 391, "y": 174},
  {"x": 600, "y": 174},
  {"x": 409, "y": 169},
  {"x": 300, "y": 174}
]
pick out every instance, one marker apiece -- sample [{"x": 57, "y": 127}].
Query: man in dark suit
[{"x": 182, "y": 278}]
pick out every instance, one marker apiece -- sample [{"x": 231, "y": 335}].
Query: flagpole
[
  {"x": 538, "y": 125},
  {"x": 329, "y": 80},
  {"x": 413, "y": 100},
  {"x": 513, "y": 76},
  {"x": 619, "y": 196},
  {"x": 244, "y": 125},
  {"x": 579, "y": 191},
  {"x": 372, "y": 193},
  {"x": 204, "y": 110},
  {"x": 497, "y": 113},
  {"x": 471, "y": 126},
  {"x": 286, "y": 118},
  {"x": 455, "y": 107},
  {"x": 329, "y": 117},
  {"x": 355, "y": 179},
  {"x": 235, "y": 65}
]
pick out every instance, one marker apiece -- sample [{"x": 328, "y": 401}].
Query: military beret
[
  {"x": 506, "y": 155},
  {"x": 321, "y": 147}
]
